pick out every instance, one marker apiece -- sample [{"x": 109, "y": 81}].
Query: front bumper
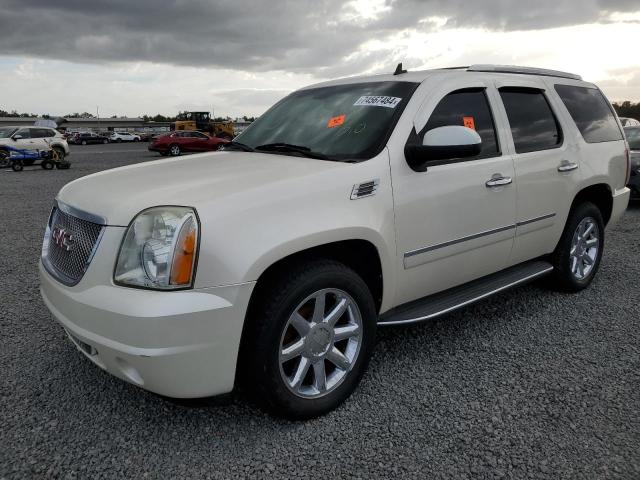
[
  {"x": 178, "y": 344},
  {"x": 157, "y": 148}
]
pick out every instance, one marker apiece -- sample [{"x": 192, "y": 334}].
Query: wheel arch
[
  {"x": 360, "y": 255},
  {"x": 599, "y": 194}
]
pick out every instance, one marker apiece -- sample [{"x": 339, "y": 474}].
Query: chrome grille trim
[{"x": 69, "y": 265}]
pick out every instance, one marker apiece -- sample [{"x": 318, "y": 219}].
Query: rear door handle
[
  {"x": 498, "y": 181},
  {"x": 567, "y": 166}
]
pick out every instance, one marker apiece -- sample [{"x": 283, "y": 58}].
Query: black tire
[
  {"x": 59, "y": 154},
  {"x": 563, "y": 278},
  {"x": 48, "y": 164},
  {"x": 4, "y": 159},
  {"x": 136, "y": 139},
  {"x": 118, "y": 140},
  {"x": 175, "y": 150},
  {"x": 17, "y": 166},
  {"x": 267, "y": 322}
]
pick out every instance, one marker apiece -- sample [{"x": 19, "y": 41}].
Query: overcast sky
[{"x": 238, "y": 57}]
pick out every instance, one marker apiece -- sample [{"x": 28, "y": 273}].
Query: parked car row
[{"x": 86, "y": 138}]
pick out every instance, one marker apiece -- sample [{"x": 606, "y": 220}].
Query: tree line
[{"x": 147, "y": 118}]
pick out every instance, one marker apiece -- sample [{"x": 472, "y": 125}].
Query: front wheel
[
  {"x": 309, "y": 339},
  {"x": 579, "y": 251}
]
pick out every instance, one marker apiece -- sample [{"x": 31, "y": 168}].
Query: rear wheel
[
  {"x": 47, "y": 164},
  {"x": 119, "y": 140},
  {"x": 309, "y": 339},
  {"x": 578, "y": 254},
  {"x": 17, "y": 166},
  {"x": 174, "y": 150}
]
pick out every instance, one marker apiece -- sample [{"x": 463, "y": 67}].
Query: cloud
[{"x": 316, "y": 36}]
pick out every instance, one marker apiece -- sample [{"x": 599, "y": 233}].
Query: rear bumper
[
  {"x": 620, "y": 203},
  {"x": 178, "y": 344}
]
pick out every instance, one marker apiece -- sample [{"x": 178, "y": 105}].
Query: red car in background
[{"x": 175, "y": 143}]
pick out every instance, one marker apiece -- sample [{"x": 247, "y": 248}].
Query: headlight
[{"x": 159, "y": 249}]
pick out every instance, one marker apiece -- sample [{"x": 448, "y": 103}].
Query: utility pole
[{"x": 98, "y": 117}]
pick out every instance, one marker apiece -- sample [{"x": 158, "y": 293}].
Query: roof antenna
[{"x": 399, "y": 70}]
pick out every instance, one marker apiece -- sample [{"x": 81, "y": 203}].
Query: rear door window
[
  {"x": 533, "y": 125},
  {"x": 591, "y": 112},
  {"x": 470, "y": 108}
]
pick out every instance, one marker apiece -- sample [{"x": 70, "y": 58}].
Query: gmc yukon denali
[{"x": 351, "y": 204}]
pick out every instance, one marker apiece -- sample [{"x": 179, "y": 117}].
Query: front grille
[{"x": 70, "y": 245}]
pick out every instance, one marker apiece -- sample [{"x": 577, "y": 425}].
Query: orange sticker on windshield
[
  {"x": 469, "y": 122},
  {"x": 336, "y": 121}
]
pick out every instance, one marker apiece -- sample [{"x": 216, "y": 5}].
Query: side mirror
[
  {"x": 442, "y": 144},
  {"x": 16, "y": 137}
]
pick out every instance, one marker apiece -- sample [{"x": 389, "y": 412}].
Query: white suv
[
  {"x": 124, "y": 137},
  {"x": 34, "y": 138},
  {"x": 350, "y": 204}
]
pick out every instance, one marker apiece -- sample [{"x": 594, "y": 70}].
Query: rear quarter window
[{"x": 591, "y": 113}]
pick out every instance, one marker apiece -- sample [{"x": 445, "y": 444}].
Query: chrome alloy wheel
[
  {"x": 320, "y": 343},
  {"x": 584, "y": 248}
]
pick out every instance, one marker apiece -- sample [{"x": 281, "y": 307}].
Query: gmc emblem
[{"x": 62, "y": 238}]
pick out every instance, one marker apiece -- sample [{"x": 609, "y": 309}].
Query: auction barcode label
[{"x": 378, "y": 101}]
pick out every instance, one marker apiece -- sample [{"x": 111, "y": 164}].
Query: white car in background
[
  {"x": 629, "y": 122},
  {"x": 34, "y": 138},
  {"x": 124, "y": 137}
]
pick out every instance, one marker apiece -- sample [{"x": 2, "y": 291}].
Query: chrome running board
[{"x": 444, "y": 302}]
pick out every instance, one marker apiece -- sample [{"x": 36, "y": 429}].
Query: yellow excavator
[{"x": 202, "y": 122}]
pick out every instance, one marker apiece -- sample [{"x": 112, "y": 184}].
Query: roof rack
[{"x": 522, "y": 70}]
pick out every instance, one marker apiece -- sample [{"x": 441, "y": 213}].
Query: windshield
[
  {"x": 633, "y": 137},
  {"x": 6, "y": 132},
  {"x": 340, "y": 122}
]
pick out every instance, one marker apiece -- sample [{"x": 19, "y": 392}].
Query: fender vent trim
[{"x": 365, "y": 189}]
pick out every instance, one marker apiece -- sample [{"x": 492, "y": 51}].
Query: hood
[{"x": 119, "y": 194}]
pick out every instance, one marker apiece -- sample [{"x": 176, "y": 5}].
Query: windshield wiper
[
  {"x": 237, "y": 145},
  {"x": 287, "y": 147}
]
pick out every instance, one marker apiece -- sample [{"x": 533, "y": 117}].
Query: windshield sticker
[
  {"x": 469, "y": 122},
  {"x": 378, "y": 101},
  {"x": 336, "y": 121}
]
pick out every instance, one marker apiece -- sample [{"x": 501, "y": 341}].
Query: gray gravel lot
[{"x": 529, "y": 384}]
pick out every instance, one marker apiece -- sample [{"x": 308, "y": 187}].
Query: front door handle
[
  {"x": 498, "y": 181},
  {"x": 567, "y": 166}
]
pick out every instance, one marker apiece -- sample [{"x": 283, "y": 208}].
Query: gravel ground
[{"x": 529, "y": 384}]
